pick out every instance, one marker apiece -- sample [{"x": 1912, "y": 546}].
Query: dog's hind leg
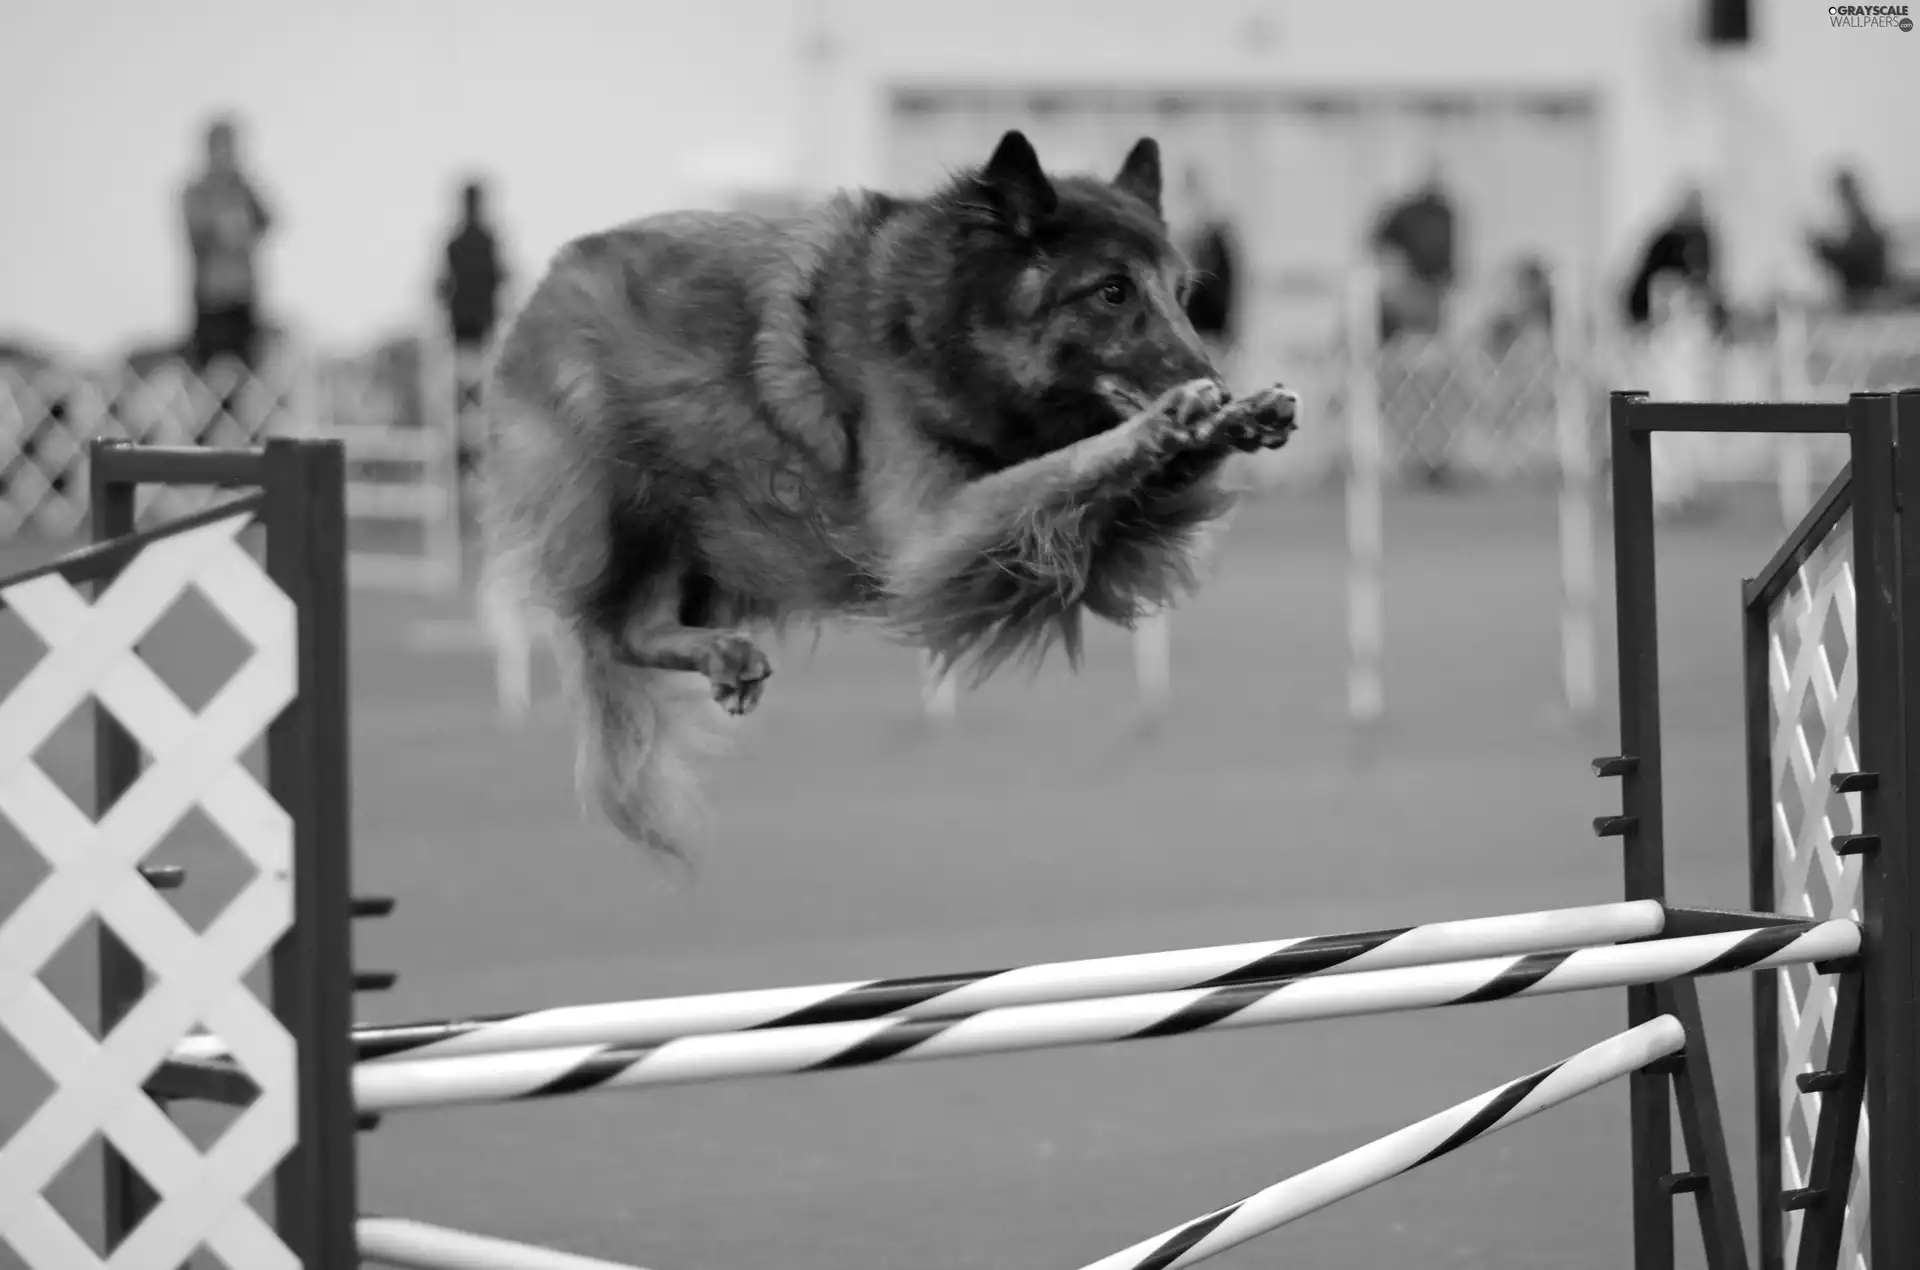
[{"x": 687, "y": 637}]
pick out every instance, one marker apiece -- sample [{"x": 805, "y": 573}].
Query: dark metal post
[
  {"x": 1758, "y": 695},
  {"x": 1639, "y": 823},
  {"x": 116, "y": 766},
  {"x": 316, "y": 1187},
  {"x": 1840, "y": 1084},
  {"x": 1709, "y": 1178},
  {"x": 1886, "y": 465}
]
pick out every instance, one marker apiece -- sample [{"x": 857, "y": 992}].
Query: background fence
[
  {"x": 1470, "y": 409},
  {"x": 1476, "y": 407},
  {"x": 394, "y": 409}
]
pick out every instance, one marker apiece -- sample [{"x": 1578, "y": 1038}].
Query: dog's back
[
  {"x": 652, "y": 356},
  {"x": 662, "y": 441}
]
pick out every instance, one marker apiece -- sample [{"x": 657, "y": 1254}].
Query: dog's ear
[
  {"x": 1019, "y": 186},
  {"x": 1140, "y": 174}
]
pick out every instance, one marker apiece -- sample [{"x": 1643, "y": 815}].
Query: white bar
[
  {"x": 1396, "y": 1153},
  {"x": 403, "y": 1084},
  {"x": 395, "y": 500},
  {"x": 1793, "y": 473},
  {"x": 1574, "y": 447},
  {"x": 649, "y": 1022},
  {"x": 414, "y": 1245},
  {"x": 393, "y": 571},
  {"x": 372, "y": 443},
  {"x": 1365, "y": 514}
]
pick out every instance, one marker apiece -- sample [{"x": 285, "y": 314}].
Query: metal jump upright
[{"x": 1831, "y": 630}]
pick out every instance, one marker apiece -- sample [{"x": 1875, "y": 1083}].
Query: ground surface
[{"x": 847, "y": 844}]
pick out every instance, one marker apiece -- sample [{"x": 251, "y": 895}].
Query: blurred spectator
[
  {"x": 471, "y": 279},
  {"x": 225, "y": 222},
  {"x": 1213, "y": 252},
  {"x": 1683, "y": 246},
  {"x": 1415, "y": 240},
  {"x": 1408, "y": 304},
  {"x": 1857, "y": 254},
  {"x": 1528, "y": 306},
  {"x": 471, "y": 275}
]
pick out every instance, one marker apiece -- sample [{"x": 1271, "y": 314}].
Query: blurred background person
[
  {"x": 1856, "y": 253},
  {"x": 1677, "y": 322},
  {"x": 1683, "y": 245},
  {"x": 469, "y": 288},
  {"x": 226, "y": 221},
  {"x": 471, "y": 276},
  {"x": 1213, "y": 251},
  {"x": 1525, "y": 307},
  {"x": 1415, "y": 240},
  {"x": 1407, "y": 305}
]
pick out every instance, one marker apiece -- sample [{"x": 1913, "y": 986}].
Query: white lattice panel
[
  {"x": 1815, "y": 726},
  {"x": 196, "y": 979}
]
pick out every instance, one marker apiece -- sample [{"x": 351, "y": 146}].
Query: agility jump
[{"x": 1825, "y": 958}]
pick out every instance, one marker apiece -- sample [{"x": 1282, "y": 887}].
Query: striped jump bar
[
  {"x": 483, "y": 1078},
  {"x": 1397, "y": 1153},
  {"x": 419, "y": 1246},
  {"x": 652, "y": 1022}
]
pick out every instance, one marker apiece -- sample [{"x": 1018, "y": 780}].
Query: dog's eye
[{"x": 1116, "y": 291}]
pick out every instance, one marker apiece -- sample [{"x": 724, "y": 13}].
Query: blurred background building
[
  {"x": 1559, "y": 126},
  {"x": 1663, "y": 180}
]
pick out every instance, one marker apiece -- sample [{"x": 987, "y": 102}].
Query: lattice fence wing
[
  {"x": 49, "y": 416},
  {"x": 196, "y": 979},
  {"x": 1815, "y": 729}
]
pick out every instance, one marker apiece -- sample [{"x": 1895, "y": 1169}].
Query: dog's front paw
[
  {"x": 739, "y": 671},
  {"x": 1185, "y": 417},
  {"x": 1260, "y": 421}
]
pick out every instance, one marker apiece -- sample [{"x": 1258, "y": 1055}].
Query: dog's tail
[{"x": 641, "y": 731}]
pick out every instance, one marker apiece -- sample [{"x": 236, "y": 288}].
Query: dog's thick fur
[{"x": 972, "y": 417}]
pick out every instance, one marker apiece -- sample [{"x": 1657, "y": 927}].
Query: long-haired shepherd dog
[{"x": 972, "y": 417}]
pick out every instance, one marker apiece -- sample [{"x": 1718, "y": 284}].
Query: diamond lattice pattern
[
  {"x": 1815, "y": 727},
  {"x": 196, "y": 979},
  {"x": 48, "y": 418},
  {"x": 1445, "y": 404}
]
